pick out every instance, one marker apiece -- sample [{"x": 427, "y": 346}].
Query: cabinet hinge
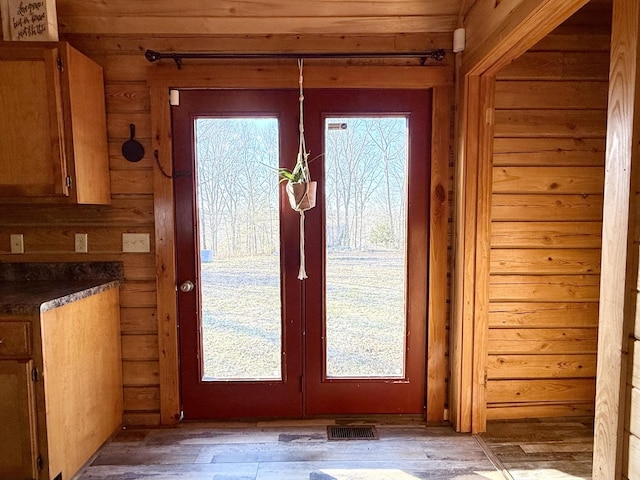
[
  {"x": 69, "y": 183},
  {"x": 34, "y": 374},
  {"x": 39, "y": 462},
  {"x": 60, "y": 66}
]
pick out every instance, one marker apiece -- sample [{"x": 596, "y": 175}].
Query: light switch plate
[
  {"x": 135, "y": 242},
  {"x": 82, "y": 243},
  {"x": 17, "y": 243}
]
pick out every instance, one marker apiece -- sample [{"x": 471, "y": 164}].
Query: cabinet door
[
  {"x": 17, "y": 421},
  {"x": 32, "y": 152}
]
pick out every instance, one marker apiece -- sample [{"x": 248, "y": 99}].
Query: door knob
[{"x": 187, "y": 286}]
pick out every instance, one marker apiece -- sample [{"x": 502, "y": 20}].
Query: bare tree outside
[
  {"x": 365, "y": 160},
  {"x": 239, "y": 237}
]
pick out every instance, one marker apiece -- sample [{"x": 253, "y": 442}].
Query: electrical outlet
[
  {"x": 82, "y": 243},
  {"x": 17, "y": 243},
  {"x": 135, "y": 242}
]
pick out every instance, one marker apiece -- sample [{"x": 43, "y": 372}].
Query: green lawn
[{"x": 365, "y": 310}]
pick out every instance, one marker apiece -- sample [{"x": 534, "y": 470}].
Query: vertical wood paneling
[{"x": 545, "y": 249}]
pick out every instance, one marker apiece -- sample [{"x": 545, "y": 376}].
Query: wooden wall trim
[
  {"x": 498, "y": 32},
  {"x": 623, "y": 134},
  {"x": 471, "y": 280},
  {"x": 279, "y": 75},
  {"x": 483, "y": 250},
  {"x": 178, "y": 25},
  {"x": 165, "y": 257},
  {"x": 163, "y": 77},
  {"x": 464, "y": 273},
  {"x": 439, "y": 215}
]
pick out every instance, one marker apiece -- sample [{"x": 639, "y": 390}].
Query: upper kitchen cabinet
[{"x": 53, "y": 131}]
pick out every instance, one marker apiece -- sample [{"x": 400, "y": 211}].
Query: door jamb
[{"x": 498, "y": 34}]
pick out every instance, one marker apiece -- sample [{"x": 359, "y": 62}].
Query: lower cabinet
[
  {"x": 60, "y": 387},
  {"x": 18, "y": 449}
]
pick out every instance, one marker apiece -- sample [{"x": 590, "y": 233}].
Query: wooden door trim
[
  {"x": 497, "y": 33},
  {"x": 163, "y": 77},
  {"x": 618, "y": 307},
  {"x": 438, "y": 263}
]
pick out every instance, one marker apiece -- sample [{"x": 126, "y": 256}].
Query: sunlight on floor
[
  {"x": 361, "y": 474},
  {"x": 487, "y": 475},
  {"x": 388, "y": 474},
  {"x": 546, "y": 473}
]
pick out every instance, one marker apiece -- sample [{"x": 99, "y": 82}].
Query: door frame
[
  {"x": 501, "y": 33},
  {"x": 162, "y": 78}
]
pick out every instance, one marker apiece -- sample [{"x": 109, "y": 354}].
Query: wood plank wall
[
  {"x": 546, "y": 224},
  {"x": 49, "y": 231}
]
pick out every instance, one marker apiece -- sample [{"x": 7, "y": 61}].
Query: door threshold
[
  {"x": 317, "y": 420},
  {"x": 373, "y": 419}
]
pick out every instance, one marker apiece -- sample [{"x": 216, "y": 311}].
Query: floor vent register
[{"x": 360, "y": 432}]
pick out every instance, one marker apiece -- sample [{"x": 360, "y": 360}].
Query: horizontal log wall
[
  {"x": 49, "y": 230},
  {"x": 546, "y": 226}
]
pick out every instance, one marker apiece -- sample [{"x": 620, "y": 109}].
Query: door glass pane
[
  {"x": 239, "y": 229},
  {"x": 365, "y": 195}
]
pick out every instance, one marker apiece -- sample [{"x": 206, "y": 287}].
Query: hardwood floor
[{"x": 300, "y": 450}]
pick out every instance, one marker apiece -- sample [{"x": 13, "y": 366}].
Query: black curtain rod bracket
[{"x": 153, "y": 56}]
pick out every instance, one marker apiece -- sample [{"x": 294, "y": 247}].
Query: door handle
[{"x": 187, "y": 286}]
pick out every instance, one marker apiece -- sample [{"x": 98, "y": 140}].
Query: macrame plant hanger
[{"x": 304, "y": 198}]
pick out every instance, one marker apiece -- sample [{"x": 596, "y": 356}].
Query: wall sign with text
[{"x": 33, "y": 20}]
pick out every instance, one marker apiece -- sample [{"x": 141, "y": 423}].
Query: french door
[{"x": 254, "y": 340}]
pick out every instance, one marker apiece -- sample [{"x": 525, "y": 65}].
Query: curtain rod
[{"x": 153, "y": 56}]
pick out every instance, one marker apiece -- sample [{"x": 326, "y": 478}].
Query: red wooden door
[
  {"x": 214, "y": 316},
  {"x": 363, "y": 355},
  {"x": 319, "y": 354}
]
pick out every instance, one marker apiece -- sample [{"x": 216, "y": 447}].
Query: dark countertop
[{"x": 32, "y": 288}]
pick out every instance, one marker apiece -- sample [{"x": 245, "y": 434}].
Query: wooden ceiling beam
[
  {"x": 266, "y": 8},
  {"x": 498, "y": 32},
  {"x": 206, "y": 26}
]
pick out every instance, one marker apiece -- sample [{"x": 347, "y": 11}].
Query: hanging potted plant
[{"x": 299, "y": 187}]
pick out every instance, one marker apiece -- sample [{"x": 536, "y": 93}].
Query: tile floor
[
  {"x": 547, "y": 449},
  {"x": 299, "y": 450}
]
